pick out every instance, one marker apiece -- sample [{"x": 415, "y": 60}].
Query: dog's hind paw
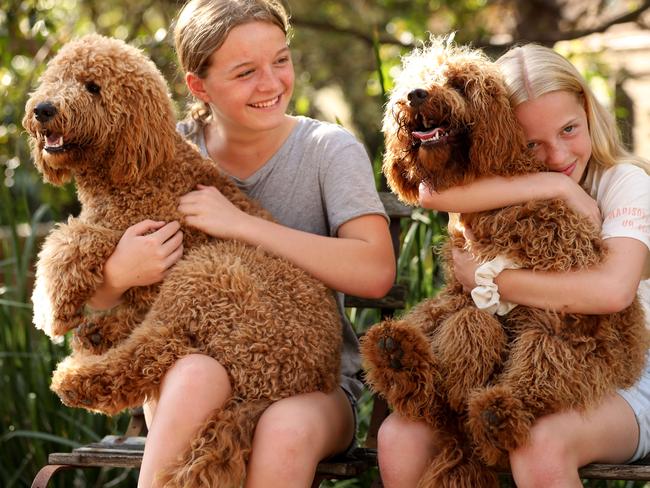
[
  {"x": 498, "y": 423},
  {"x": 68, "y": 390}
]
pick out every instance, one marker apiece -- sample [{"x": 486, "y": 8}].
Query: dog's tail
[{"x": 220, "y": 451}]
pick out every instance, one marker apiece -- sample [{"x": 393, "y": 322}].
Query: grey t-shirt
[{"x": 319, "y": 179}]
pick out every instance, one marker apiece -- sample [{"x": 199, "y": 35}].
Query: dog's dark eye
[{"x": 93, "y": 87}]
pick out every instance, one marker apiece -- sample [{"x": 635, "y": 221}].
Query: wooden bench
[{"x": 125, "y": 451}]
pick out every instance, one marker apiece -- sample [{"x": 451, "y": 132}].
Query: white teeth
[
  {"x": 266, "y": 104},
  {"x": 430, "y": 135},
  {"x": 50, "y": 142}
]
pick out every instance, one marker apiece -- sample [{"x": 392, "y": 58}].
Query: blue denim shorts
[
  {"x": 638, "y": 396},
  {"x": 355, "y": 414}
]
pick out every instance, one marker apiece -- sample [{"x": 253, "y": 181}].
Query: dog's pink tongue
[
  {"x": 427, "y": 135},
  {"x": 54, "y": 140}
]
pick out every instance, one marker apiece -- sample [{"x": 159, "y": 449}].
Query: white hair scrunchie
[{"x": 486, "y": 294}]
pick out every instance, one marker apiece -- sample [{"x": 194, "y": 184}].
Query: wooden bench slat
[
  {"x": 98, "y": 459},
  {"x": 348, "y": 469},
  {"x": 126, "y": 452},
  {"x": 638, "y": 471},
  {"x": 394, "y": 208},
  {"x": 116, "y": 443},
  {"x": 112, "y": 451},
  {"x": 357, "y": 462},
  {"x": 121, "y": 452}
]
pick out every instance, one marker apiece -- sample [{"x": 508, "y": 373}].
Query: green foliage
[
  {"x": 33, "y": 422},
  {"x": 419, "y": 264}
]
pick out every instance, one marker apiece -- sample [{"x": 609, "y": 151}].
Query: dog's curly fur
[
  {"x": 103, "y": 116},
  {"x": 482, "y": 380}
]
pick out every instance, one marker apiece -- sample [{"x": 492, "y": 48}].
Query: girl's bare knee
[
  {"x": 546, "y": 460},
  {"x": 286, "y": 448},
  {"x": 194, "y": 386},
  {"x": 397, "y": 433},
  {"x": 405, "y": 448},
  {"x": 197, "y": 374},
  {"x": 286, "y": 431},
  {"x": 391, "y": 435}
]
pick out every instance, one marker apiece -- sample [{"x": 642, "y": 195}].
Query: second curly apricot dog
[{"x": 481, "y": 380}]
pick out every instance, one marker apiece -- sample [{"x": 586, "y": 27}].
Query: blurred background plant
[{"x": 346, "y": 53}]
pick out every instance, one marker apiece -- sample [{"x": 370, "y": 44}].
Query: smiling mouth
[
  {"x": 267, "y": 104},
  {"x": 569, "y": 169}
]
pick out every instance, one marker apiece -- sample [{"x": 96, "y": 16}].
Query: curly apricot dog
[
  {"x": 103, "y": 116},
  {"x": 481, "y": 380}
]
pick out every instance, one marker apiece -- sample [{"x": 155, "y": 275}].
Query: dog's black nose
[
  {"x": 417, "y": 96},
  {"x": 44, "y": 111}
]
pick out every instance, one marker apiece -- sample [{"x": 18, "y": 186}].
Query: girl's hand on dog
[
  {"x": 144, "y": 254},
  {"x": 464, "y": 267},
  {"x": 580, "y": 201},
  {"x": 209, "y": 211}
]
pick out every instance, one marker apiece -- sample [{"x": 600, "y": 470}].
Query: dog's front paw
[
  {"x": 61, "y": 326},
  {"x": 391, "y": 351},
  {"x": 396, "y": 346},
  {"x": 90, "y": 337},
  {"x": 85, "y": 381},
  {"x": 400, "y": 366}
]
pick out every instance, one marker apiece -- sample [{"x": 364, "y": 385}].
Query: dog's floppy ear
[
  {"x": 397, "y": 177},
  {"x": 395, "y": 167},
  {"x": 147, "y": 138},
  {"x": 400, "y": 180},
  {"x": 497, "y": 137}
]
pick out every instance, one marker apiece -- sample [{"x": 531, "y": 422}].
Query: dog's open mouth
[
  {"x": 431, "y": 132},
  {"x": 53, "y": 143},
  {"x": 432, "y": 137}
]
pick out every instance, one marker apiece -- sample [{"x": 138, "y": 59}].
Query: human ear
[{"x": 196, "y": 86}]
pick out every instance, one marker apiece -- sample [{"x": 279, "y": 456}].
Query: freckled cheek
[
  {"x": 587, "y": 148},
  {"x": 288, "y": 81},
  {"x": 287, "y": 77},
  {"x": 583, "y": 152}
]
